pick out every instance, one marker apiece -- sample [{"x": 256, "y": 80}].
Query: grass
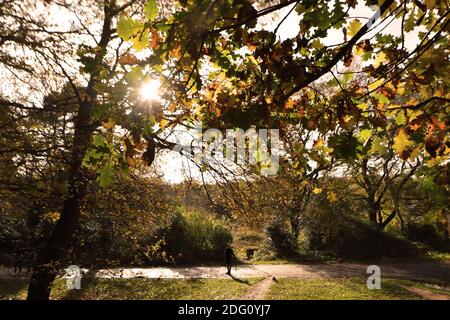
[
  {"x": 209, "y": 289},
  {"x": 13, "y": 289},
  {"x": 137, "y": 288},
  {"x": 435, "y": 287},
  {"x": 337, "y": 289}
]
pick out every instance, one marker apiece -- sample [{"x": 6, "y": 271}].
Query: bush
[
  {"x": 119, "y": 224},
  {"x": 194, "y": 237},
  {"x": 251, "y": 236},
  {"x": 10, "y": 231},
  {"x": 354, "y": 239},
  {"x": 427, "y": 234},
  {"x": 279, "y": 243}
]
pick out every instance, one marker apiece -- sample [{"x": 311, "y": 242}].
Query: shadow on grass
[{"x": 240, "y": 280}]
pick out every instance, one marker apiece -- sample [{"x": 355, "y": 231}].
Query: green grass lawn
[
  {"x": 137, "y": 288},
  {"x": 336, "y": 289},
  {"x": 205, "y": 289}
]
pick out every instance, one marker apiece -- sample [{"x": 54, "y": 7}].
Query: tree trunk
[
  {"x": 373, "y": 210},
  {"x": 295, "y": 226},
  {"x": 48, "y": 261},
  {"x": 396, "y": 203},
  {"x": 386, "y": 221}
]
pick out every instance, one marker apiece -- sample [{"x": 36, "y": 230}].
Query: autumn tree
[{"x": 216, "y": 64}]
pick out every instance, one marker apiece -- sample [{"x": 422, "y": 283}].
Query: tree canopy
[{"x": 79, "y": 99}]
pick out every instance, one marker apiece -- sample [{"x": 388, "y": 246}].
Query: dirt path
[
  {"x": 259, "y": 291},
  {"x": 426, "y": 294},
  {"x": 416, "y": 271}
]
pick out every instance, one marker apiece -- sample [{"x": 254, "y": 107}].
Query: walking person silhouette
[{"x": 229, "y": 255}]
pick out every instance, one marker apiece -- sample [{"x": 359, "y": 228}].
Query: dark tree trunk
[
  {"x": 295, "y": 227},
  {"x": 386, "y": 221},
  {"x": 396, "y": 203},
  {"x": 48, "y": 261},
  {"x": 373, "y": 210}
]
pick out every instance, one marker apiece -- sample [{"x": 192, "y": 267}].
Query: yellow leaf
[
  {"x": 433, "y": 162},
  {"x": 318, "y": 143},
  {"x": 172, "y": 107},
  {"x": 317, "y": 190},
  {"x": 332, "y": 197},
  {"x": 163, "y": 123},
  {"x": 414, "y": 153},
  {"x": 402, "y": 144},
  {"x": 52, "y": 216},
  {"x": 381, "y": 57},
  {"x": 376, "y": 84},
  {"x": 140, "y": 41},
  {"x": 290, "y": 104},
  {"x": 363, "y": 106},
  {"x": 413, "y": 114},
  {"x": 110, "y": 124},
  {"x": 364, "y": 135},
  {"x": 353, "y": 27},
  {"x": 401, "y": 89}
]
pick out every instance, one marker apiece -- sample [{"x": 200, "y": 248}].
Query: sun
[{"x": 150, "y": 90}]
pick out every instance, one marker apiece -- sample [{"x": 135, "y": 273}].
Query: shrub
[
  {"x": 429, "y": 235},
  {"x": 119, "y": 224},
  {"x": 279, "y": 241},
  {"x": 194, "y": 237},
  {"x": 354, "y": 239},
  {"x": 251, "y": 236}
]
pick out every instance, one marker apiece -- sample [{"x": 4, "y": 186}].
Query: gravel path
[
  {"x": 418, "y": 270},
  {"x": 259, "y": 291},
  {"x": 426, "y": 294}
]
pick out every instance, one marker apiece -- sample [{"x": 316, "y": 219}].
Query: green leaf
[
  {"x": 381, "y": 98},
  {"x": 127, "y": 27},
  {"x": 99, "y": 141},
  {"x": 344, "y": 146},
  {"x": 364, "y": 135},
  {"x": 378, "y": 146},
  {"x": 363, "y": 106},
  {"x": 151, "y": 10},
  {"x": 316, "y": 44},
  {"x": 134, "y": 76},
  {"x": 106, "y": 176},
  {"x": 400, "y": 119}
]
